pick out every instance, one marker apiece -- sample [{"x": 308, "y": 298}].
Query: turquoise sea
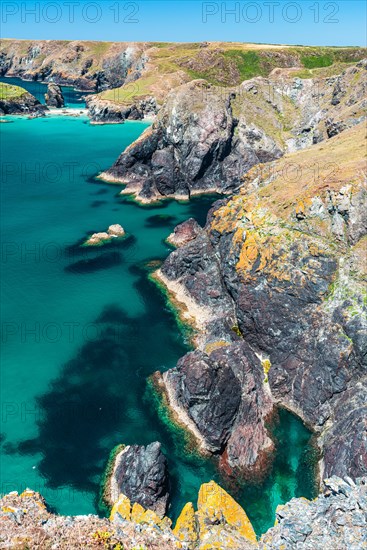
[{"x": 82, "y": 329}]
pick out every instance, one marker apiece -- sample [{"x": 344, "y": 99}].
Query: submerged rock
[
  {"x": 54, "y": 96},
  {"x": 139, "y": 473},
  {"x": 115, "y": 231}
]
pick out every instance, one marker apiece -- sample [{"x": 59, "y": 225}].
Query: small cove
[{"x": 85, "y": 328}]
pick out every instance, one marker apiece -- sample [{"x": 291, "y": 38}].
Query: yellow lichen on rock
[
  {"x": 186, "y": 525},
  {"x": 137, "y": 513},
  {"x": 212, "y": 346},
  {"x": 215, "y": 506},
  {"x": 122, "y": 507},
  {"x": 150, "y": 517}
]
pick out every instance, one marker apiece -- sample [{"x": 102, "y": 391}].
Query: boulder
[
  {"x": 184, "y": 232},
  {"x": 54, "y": 97},
  {"x": 115, "y": 231},
  {"x": 139, "y": 473}
]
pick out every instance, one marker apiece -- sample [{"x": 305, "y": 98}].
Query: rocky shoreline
[
  {"x": 334, "y": 520},
  {"x": 277, "y": 278},
  {"x": 205, "y": 138}
]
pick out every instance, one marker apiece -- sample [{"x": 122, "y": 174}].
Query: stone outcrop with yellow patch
[
  {"x": 281, "y": 266},
  {"x": 336, "y": 519}
]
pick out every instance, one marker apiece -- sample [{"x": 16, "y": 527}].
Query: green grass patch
[
  {"x": 8, "y": 91},
  {"x": 317, "y": 61},
  {"x": 248, "y": 63}
]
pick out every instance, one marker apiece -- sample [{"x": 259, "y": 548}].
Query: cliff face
[
  {"x": 336, "y": 519},
  {"x": 206, "y": 137},
  {"x": 85, "y": 65},
  {"x": 275, "y": 284}
]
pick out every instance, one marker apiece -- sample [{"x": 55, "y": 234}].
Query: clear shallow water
[
  {"x": 83, "y": 329},
  {"x": 73, "y": 98}
]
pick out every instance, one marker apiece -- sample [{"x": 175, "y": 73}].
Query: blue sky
[{"x": 263, "y": 21}]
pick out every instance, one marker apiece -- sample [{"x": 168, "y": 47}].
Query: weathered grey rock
[
  {"x": 54, "y": 97},
  {"x": 205, "y": 138},
  {"x": 293, "y": 289},
  {"x": 108, "y": 112},
  {"x": 222, "y": 391},
  {"x": 337, "y": 519},
  {"x": 192, "y": 147},
  {"x": 141, "y": 474}
]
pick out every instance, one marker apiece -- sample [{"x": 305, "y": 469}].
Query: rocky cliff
[
  {"x": 275, "y": 288},
  {"x": 335, "y": 520},
  {"x": 141, "y": 474},
  {"x": 86, "y": 65},
  {"x": 103, "y": 111},
  {"x": 206, "y": 137},
  {"x": 14, "y": 100}
]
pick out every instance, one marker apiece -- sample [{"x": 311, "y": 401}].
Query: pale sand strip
[
  {"x": 188, "y": 309},
  {"x": 180, "y": 416},
  {"x": 113, "y": 490}
]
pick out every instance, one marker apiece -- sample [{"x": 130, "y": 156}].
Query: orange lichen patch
[
  {"x": 151, "y": 517},
  {"x": 249, "y": 253},
  {"x": 122, "y": 507},
  {"x": 186, "y": 526},
  {"x": 215, "y": 506}
]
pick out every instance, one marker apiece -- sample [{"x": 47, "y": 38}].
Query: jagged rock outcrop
[
  {"x": 103, "y": 111},
  {"x": 54, "y": 97},
  {"x": 205, "y": 137},
  {"x": 184, "y": 232},
  {"x": 17, "y": 101},
  {"x": 191, "y": 147},
  {"x": 282, "y": 264},
  {"x": 141, "y": 474},
  {"x": 220, "y": 395},
  {"x": 335, "y": 520}
]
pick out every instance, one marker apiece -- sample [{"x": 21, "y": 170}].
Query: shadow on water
[
  {"x": 161, "y": 220},
  {"x": 101, "y": 398},
  {"x": 97, "y": 401},
  {"x": 199, "y": 208},
  {"x": 96, "y": 204},
  {"x": 105, "y": 261}
]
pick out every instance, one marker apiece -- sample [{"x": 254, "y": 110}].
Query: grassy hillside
[
  {"x": 8, "y": 91},
  {"x": 228, "y": 64},
  {"x": 137, "y": 69}
]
